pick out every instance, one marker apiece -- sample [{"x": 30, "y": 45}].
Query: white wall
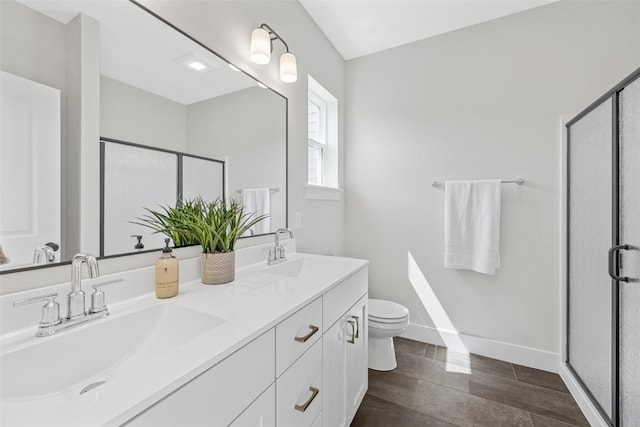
[
  {"x": 481, "y": 102},
  {"x": 131, "y": 114}
]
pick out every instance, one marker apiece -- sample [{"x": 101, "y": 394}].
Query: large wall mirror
[{"x": 71, "y": 66}]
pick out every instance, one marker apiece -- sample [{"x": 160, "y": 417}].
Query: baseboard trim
[
  {"x": 588, "y": 409},
  {"x": 513, "y": 353}
]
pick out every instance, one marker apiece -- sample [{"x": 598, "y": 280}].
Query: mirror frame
[{"x": 204, "y": 46}]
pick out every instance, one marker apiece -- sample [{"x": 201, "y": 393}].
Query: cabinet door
[
  {"x": 334, "y": 348},
  {"x": 357, "y": 356},
  {"x": 345, "y": 351}
]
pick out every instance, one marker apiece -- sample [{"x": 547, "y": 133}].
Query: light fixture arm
[{"x": 274, "y": 36}]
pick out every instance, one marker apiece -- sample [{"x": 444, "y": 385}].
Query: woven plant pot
[{"x": 219, "y": 268}]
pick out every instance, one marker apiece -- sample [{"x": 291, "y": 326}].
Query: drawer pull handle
[
  {"x": 352, "y": 340},
  {"x": 314, "y": 392},
  {"x": 357, "y": 326},
  {"x": 313, "y": 328}
]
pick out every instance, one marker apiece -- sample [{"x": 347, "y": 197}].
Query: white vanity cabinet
[
  {"x": 220, "y": 394},
  {"x": 309, "y": 370},
  {"x": 345, "y": 350}
]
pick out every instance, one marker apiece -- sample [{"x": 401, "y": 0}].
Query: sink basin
[
  {"x": 73, "y": 360},
  {"x": 305, "y": 267}
]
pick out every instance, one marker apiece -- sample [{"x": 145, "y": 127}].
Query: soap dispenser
[{"x": 167, "y": 273}]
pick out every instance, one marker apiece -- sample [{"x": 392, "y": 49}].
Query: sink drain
[{"x": 92, "y": 386}]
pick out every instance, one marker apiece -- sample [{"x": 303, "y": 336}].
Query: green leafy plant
[{"x": 216, "y": 226}]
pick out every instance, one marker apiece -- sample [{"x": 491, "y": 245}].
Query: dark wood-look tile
[
  {"x": 475, "y": 362},
  {"x": 376, "y": 412},
  {"x": 464, "y": 409},
  {"x": 405, "y": 345},
  {"x": 392, "y": 386},
  {"x": 540, "y": 378},
  {"x": 430, "y": 351},
  {"x": 539, "y": 400},
  {"x": 431, "y": 370},
  {"x": 542, "y": 421}
]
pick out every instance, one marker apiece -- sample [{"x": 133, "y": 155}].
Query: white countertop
[{"x": 259, "y": 298}]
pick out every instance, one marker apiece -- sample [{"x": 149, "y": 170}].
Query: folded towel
[
  {"x": 257, "y": 201},
  {"x": 472, "y": 225}
]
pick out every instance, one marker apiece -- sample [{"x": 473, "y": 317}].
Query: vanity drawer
[
  {"x": 220, "y": 394},
  {"x": 261, "y": 413},
  {"x": 297, "y": 334},
  {"x": 339, "y": 299},
  {"x": 299, "y": 390}
]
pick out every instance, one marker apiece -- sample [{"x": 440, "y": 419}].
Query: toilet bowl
[{"x": 387, "y": 319}]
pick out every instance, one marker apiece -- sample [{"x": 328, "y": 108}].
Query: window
[
  {"x": 317, "y": 138},
  {"x": 322, "y": 143}
]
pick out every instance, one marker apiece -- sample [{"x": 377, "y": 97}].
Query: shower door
[
  {"x": 603, "y": 221},
  {"x": 629, "y": 224},
  {"x": 590, "y": 311}
]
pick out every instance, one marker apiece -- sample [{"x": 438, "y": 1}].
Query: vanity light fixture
[{"x": 261, "y": 47}]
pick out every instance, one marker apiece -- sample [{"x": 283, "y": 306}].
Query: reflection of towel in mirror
[
  {"x": 257, "y": 201},
  {"x": 472, "y": 225}
]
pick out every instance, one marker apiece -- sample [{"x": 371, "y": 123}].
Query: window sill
[{"x": 317, "y": 192}]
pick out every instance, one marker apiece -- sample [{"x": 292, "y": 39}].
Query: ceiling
[
  {"x": 142, "y": 51},
  {"x": 361, "y": 27}
]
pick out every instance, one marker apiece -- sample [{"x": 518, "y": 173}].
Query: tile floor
[{"x": 433, "y": 387}]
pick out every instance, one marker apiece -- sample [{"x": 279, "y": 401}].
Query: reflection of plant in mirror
[
  {"x": 170, "y": 220},
  {"x": 216, "y": 225}
]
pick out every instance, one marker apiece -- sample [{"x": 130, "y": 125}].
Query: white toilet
[{"x": 387, "y": 319}]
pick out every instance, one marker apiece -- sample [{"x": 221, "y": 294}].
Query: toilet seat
[
  {"x": 383, "y": 311},
  {"x": 384, "y": 322}
]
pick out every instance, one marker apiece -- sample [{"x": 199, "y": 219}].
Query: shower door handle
[{"x": 613, "y": 262}]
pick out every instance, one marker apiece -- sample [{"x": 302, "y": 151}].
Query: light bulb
[
  {"x": 288, "y": 68},
  {"x": 260, "y": 46}
]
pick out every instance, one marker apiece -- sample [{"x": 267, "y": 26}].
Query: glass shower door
[
  {"x": 629, "y": 178},
  {"x": 590, "y": 312}
]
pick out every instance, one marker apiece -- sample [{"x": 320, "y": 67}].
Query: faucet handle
[
  {"x": 50, "y": 312},
  {"x": 272, "y": 255},
  {"x": 98, "y": 303},
  {"x": 282, "y": 253}
]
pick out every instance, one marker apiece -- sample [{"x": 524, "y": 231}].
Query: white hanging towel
[
  {"x": 472, "y": 225},
  {"x": 257, "y": 201}
]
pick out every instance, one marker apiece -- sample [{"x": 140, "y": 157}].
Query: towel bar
[{"x": 518, "y": 181}]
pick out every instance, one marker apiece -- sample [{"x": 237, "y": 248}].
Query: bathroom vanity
[{"x": 282, "y": 345}]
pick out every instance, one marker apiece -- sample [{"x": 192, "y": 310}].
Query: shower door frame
[{"x": 614, "y": 95}]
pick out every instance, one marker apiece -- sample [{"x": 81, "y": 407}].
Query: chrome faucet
[
  {"x": 277, "y": 254},
  {"x": 45, "y": 254},
  {"x": 51, "y": 322},
  {"x": 75, "y": 298}
]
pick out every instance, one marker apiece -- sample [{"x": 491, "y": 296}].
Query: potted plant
[{"x": 215, "y": 226}]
